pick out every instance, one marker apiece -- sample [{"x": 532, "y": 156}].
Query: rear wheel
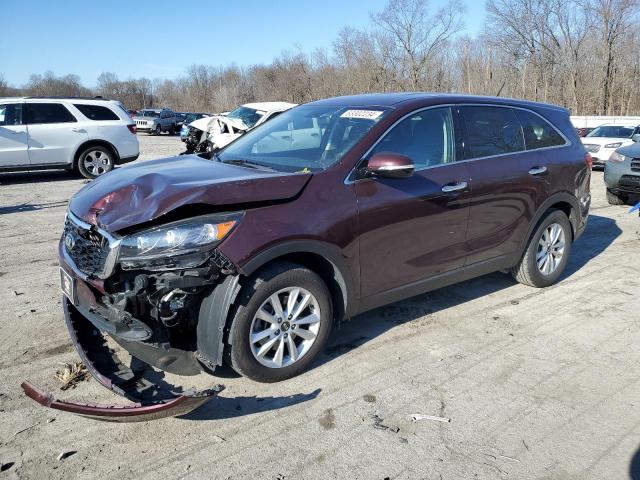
[
  {"x": 614, "y": 199},
  {"x": 95, "y": 161},
  {"x": 547, "y": 253},
  {"x": 282, "y": 322}
]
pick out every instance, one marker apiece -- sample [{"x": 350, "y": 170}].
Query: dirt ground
[{"x": 538, "y": 384}]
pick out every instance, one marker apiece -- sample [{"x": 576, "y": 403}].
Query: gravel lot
[{"x": 540, "y": 384}]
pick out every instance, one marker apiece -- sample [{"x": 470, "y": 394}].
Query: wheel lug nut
[
  {"x": 286, "y": 335},
  {"x": 277, "y": 332},
  {"x": 279, "y": 320},
  {"x": 293, "y": 327},
  {"x": 290, "y": 317}
]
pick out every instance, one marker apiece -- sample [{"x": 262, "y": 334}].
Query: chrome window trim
[{"x": 348, "y": 180}]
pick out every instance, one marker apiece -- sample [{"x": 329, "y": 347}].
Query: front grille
[
  {"x": 630, "y": 181},
  {"x": 591, "y": 148},
  {"x": 88, "y": 249},
  {"x": 635, "y": 164}
]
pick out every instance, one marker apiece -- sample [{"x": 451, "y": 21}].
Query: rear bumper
[{"x": 123, "y": 160}]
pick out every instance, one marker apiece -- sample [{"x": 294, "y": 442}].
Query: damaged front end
[{"x": 163, "y": 294}]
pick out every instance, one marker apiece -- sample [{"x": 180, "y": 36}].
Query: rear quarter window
[
  {"x": 538, "y": 133},
  {"x": 97, "y": 112}
]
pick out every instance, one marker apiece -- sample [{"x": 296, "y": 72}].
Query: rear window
[
  {"x": 42, "y": 113},
  {"x": 96, "y": 112},
  {"x": 492, "y": 131}
]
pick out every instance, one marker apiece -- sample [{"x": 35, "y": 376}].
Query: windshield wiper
[{"x": 247, "y": 163}]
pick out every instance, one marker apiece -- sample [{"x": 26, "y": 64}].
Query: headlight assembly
[
  {"x": 613, "y": 145},
  {"x": 183, "y": 244},
  {"x": 617, "y": 157}
]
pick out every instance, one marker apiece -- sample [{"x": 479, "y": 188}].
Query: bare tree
[{"x": 417, "y": 34}]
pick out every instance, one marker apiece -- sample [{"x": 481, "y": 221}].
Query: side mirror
[
  {"x": 636, "y": 137},
  {"x": 390, "y": 165}
]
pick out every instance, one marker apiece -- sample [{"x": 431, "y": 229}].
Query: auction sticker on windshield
[{"x": 367, "y": 114}]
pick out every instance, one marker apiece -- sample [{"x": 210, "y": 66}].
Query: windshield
[
  {"x": 148, "y": 113},
  {"x": 612, "y": 131},
  {"x": 307, "y": 138},
  {"x": 249, "y": 116}
]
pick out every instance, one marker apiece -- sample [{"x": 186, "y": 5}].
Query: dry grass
[{"x": 71, "y": 374}]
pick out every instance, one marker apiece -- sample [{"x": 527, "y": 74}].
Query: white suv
[{"x": 90, "y": 135}]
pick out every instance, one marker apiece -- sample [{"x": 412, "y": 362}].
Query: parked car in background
[
  {"x": 84, "y": 134},
  {"x": 191, "y": 117},
  {"x": 212, "y": 133},
  {"x": 252, "y": 257},
  {"x": 156, "y": 120},
  {"x": 622, "y": 173},
  {"x": 602, "y": 141},
  {"x": 180, "y": 118},
  {"x": 583, "y": 132},
  {"x": 132, "y": 113}
]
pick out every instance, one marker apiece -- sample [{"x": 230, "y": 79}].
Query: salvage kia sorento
[{"x": 333, "y": 208}]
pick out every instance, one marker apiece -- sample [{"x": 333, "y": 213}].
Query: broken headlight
[{"x": 183, "y": 244}]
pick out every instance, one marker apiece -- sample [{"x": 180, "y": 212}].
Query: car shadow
[
  {"x": 230, "y": 407},
  {"x": 31, "y": 207},
  {"x": 599, "y": 234},
  {"x": 40, "y": 176},
  {"x": 634, "y": 466}
]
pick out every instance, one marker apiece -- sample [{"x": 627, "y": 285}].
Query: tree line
[{"x": 581, "y": 54}]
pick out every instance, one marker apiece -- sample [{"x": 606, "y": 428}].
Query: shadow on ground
[
  {"x": 224, "y": 407},
  {"x": 31, "y": 207},
  {"x": 15, "y": 178}
]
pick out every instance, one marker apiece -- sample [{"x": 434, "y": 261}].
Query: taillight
[
  {"x": 588, "y": 159},
  {"x": 132, "y": 128}
]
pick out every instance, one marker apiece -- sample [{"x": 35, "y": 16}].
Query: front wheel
[
  {"x": 547, "y": 253},
  {"x": 158, "y": 130},
  {"x": 282, "y": 322},
  {"x": 614, "y": 199}
]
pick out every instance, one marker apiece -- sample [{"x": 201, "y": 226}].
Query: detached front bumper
[{"x": 152, "y": 399}]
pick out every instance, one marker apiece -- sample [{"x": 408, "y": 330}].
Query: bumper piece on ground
[{"x": 152, "y": 399}]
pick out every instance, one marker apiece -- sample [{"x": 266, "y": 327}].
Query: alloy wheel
[
  {"x": 285, "y": 327},
  {"x": 550, "y": 249},
  {"x": 97, "y": 162}
]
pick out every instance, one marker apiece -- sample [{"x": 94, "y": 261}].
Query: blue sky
[{"x": 161, "y": 38}]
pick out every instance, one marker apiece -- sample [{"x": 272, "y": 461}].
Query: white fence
[{"x": 592, "y": 122}]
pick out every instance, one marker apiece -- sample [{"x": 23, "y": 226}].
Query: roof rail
[{"x": 67, "y": 97}]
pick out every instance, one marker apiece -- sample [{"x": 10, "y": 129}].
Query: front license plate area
[{"x": 68, "y": 286}]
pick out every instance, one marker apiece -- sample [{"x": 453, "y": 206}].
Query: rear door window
[
  {"x": 43, "y": 113},
  {"x": 538, "y": 133},
  {"x": 10, "y": 114},
  {"x": 491, "y": 131},
  {"x": 97, "y": 112}
]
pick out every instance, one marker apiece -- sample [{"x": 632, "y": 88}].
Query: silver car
[
  {"x": 156, "y": 120},
  {"x": 622, "y": 173}
]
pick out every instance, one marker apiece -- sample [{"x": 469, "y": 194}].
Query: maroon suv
[{"x": 331, "y": 209}]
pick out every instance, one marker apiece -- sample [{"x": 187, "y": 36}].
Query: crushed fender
[{"x": 151, "y": 399}]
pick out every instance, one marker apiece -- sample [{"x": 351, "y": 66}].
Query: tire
[
  {"x": 278, "y": 281},
  {"x": 614, "y": 199},
  {"x": 95, "y": 161},
  {"x": 527, "y": 271},
  {"x": 158, "y": 130},
  {"x": 172, "y": 130}
]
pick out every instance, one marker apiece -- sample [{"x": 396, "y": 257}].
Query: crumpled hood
[
  {"x": 204, "y": 123},
  {"x": 144, "y": 191}
]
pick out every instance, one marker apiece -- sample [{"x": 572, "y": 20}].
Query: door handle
[
  {"x": 537, "y": 170},
  {"x": 79, "y": 130},
  {"x": 454, "y": 187}
]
